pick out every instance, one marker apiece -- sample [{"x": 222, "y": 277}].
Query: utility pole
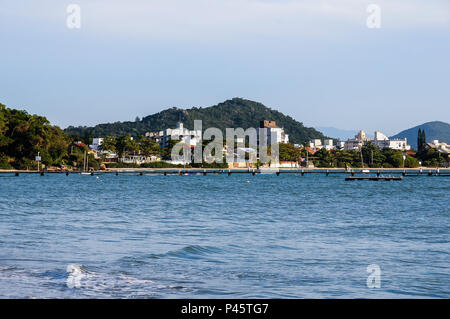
[
  {"x": 307, "y": 158},
  {"x": 362, "y": 160},
  {"x": 404, "y": 158},
  {"x": 38, "y": 159},
  {"x": 84, "y": 163},
  {"x": 307, "y": 153}
]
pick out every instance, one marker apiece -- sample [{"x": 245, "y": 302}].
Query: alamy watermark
[
  {"x": 374, "y": 19},
  {"x": 240, "y": 145},
  {"x": 374, "y": 278},
  {"x": 73, "y": 20}
]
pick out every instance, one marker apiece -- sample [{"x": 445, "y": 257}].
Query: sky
[{"x": 315, "y": 60}]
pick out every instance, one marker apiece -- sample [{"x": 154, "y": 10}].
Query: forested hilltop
[
  {"x": 23, "y": 136},
  {"x": 232, "y": 113}
]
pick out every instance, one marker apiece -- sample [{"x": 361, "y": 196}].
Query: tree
[
  {"x": 421, "y": 141},
  {"x": 346, "y": 158},
  {"x": 126, "y": 144},
  {"x": 424, "y": 140},
  {"x": 4, "y": 140},
  {"x": 394, "y": 158},
  {"x": 324, "y": 158},
  {"x": 288, "y": 152},
  {"x": 372, "y": 155},
  {"x": 411, "y": 162},
  {"x": 167, "y": 151},
  {"x": 149, "y": 146},
  {"x": 108, "y": 144},
  {"x": 23, "y": 135}
]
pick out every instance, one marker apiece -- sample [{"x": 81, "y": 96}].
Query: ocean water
[{"x": 220, "y": 236}]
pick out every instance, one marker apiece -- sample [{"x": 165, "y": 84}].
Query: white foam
[
  {"x": 76, "y": 274},
  {"x": 78, "y": 277}
]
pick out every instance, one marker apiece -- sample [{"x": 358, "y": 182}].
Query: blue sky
[{"x": 315, "y": 60}]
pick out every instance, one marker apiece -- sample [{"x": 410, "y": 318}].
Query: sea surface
[{"x": 220, "y": 236}]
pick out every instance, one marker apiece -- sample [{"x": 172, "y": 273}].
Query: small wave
[
  {"x": 76, "y": 274},
  {"x": 94, "y": 283},
  {"x": 188, "y": 252},
  {"x": 193, "y": 251},
  {"x": 7, "y": 268}
]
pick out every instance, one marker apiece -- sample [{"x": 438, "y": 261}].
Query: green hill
[
  {"x": 232, "y": 113},
  {"x": 433, "y": 130}
]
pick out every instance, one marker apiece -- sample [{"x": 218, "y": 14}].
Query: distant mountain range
[
  {"x": 232, "y": 113},
  {"x": 433, "y": 131}
]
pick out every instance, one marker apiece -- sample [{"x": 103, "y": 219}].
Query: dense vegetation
[
  {"x": 23, "y": 135},
  {"x": 435, "y": 131},
  {"x": 232, "y": 113},
  {"x": 123, "y": 144}
]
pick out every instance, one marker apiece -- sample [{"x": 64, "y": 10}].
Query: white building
[
  {"x": 272, "y": 133},
  {"x": 380, "y": 140},
  {"x": 156, "y": 136},
  {"x": 96, "y": 142},
  {"x": 328, "y": 144},
  {"x": 139, "y": 158},
  {"x": 317, "y": 144},
  {"x": 442, "y": 146},
  {"x": 190, "y": 137},
  {"x": 357, "y": 142}
]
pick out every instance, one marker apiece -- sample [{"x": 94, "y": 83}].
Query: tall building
[{"x": 272, "y": 133}]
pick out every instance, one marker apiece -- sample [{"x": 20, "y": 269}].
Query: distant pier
[
  {"x": 355, "y": 174},
  {"x": 374, "y": 178}
]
